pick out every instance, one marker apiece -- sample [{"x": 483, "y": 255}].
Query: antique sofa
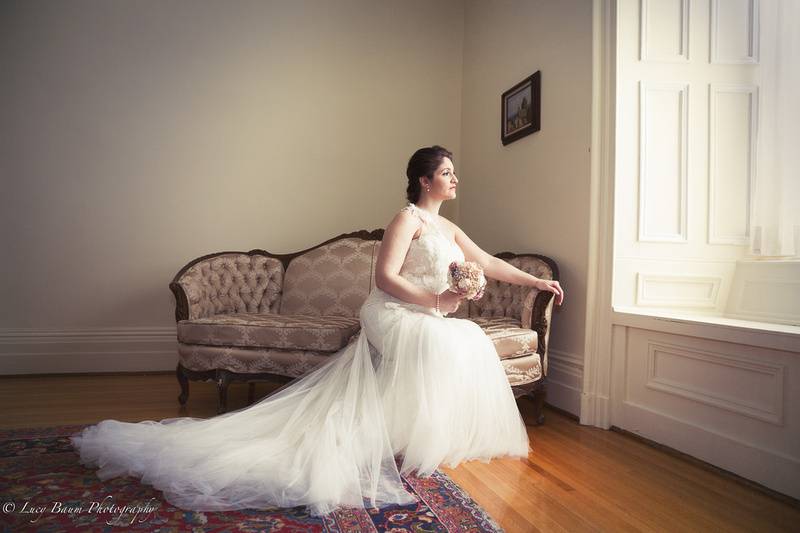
[{"x": 258, "y": 316}]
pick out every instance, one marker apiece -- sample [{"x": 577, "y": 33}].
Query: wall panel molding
[
  {"x": 671, "y": 290},
  {"x": 652, "y": 158},
  {"x": 650, "y": 49},
  {"x": 725, "y": 31},
  {"x": 720, "y": 148},
  {"x": 751, "y": 375}
]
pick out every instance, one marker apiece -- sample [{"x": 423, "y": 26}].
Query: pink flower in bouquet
[{"x": 467, "y": 279}]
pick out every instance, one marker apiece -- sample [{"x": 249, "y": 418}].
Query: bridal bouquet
[{"x": 466, "y": 279}]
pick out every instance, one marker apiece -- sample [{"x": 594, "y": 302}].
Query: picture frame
[{"x": 520, "y": 109}]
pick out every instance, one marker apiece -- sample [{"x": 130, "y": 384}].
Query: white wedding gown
[{"x": 414, "y": 384}]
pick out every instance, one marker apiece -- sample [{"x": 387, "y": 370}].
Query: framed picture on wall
[{"x": 521, "y": 112}]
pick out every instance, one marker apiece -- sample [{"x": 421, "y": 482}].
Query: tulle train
[{"x": 320, "y": 441}]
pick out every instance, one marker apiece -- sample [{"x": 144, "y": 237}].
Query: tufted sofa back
[
  {"x": 232, "y": 283},
  {"x": 332, "y": 279},
  {"x": 504, "y": 299}
]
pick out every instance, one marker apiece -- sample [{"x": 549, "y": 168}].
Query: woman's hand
[
  {"x": 552, "y": 286},
  {"x": 449, "y": 301}
]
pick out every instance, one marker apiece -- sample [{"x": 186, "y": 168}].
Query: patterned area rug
[{"x": 44, "y": 488}]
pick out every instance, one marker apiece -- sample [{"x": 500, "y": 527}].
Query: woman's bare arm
[
  {"x": 496, "y": 268},
  {"x": 394, "y": 247}
]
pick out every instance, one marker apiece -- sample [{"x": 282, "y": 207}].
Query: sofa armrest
[
  {"x": 228, "y": 282},
  {"x": 531, "y": 306},
  {"x": 537, "y": 312}
]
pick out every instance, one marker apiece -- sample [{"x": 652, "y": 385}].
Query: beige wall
[
  {"x": 140, "y": 135},
  {"x": 533, "y": 194}
]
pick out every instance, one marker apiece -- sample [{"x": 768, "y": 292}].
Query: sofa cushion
[
  {"x": 288, "y": 332},
  {"x": 523, "y": 370},
  {"x": 509, "y": 337},
  {"x": 332, "y": 279},
  {"x": 291, "y": 363}
]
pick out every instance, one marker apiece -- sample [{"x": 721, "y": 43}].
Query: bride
[{"x": 416, "y": 389}]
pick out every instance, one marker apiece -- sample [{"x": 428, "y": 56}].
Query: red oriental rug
[{"x": 44, "y": 488}]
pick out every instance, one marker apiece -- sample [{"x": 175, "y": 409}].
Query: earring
[{"x": 428, "y": 189}]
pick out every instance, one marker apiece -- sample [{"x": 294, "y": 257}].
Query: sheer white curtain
[{"x": 775, "y": 216}]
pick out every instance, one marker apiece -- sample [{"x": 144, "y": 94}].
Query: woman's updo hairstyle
[{"x": 424, "y": 162}]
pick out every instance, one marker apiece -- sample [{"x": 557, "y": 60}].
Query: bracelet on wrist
[{"x": 437, "y": 303}]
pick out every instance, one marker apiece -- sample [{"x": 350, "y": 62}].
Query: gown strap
[
  {"x": 427, "y": 219},
  {"x": 414, "y": 210}
]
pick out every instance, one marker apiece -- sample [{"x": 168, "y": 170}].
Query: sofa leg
[
  {"x": 538, "y": 397},
  {"x": 222, "y": 391},
  {"x": 184, "y": 383}
]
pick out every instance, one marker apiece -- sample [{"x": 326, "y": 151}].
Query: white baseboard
[
  {"x": 565, "y": 380},
  {"x": 61, "y": 351},
  {"x": 773, "y": 469}
]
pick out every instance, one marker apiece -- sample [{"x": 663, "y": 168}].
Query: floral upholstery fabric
[
  {"x": 233, "y": 283},
  {"x": 291, "y": 363},
  {"x": 505, "y": 299},
  {"x": 333, "y": 279},
  {"x": 516, "y": 346},
  {"x": 510, "y": 340},
  {"x": 523, "y": 370},
  {"x": 294, "y": 332}
]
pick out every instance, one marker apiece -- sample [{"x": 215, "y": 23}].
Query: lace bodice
[
  {"x": 425, "y": 265},
  {"x": 430, "y": 254}
]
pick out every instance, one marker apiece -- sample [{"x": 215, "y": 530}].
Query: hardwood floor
[{"x": 578, "y": 478}]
